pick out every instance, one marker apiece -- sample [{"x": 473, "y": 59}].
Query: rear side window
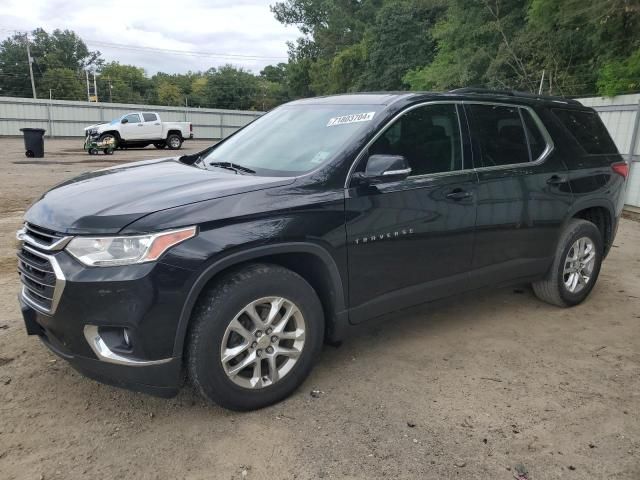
[
  {"x": 149, "y": 117},
  {"x": 500, "y": 134},
  {"x": 588, "y": 130}
]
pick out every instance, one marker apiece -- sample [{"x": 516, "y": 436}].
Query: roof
[{"x": 387, "y": 98}]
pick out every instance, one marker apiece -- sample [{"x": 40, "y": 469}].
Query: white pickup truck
[{"x": 139, "y": 129}]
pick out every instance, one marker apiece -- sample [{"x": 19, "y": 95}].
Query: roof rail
[{"x": 512, "y": 93}]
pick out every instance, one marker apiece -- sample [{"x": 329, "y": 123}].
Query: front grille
[
  {"x": 38, "y": 278},
  {"x": 42, "y": 235},
  {"x": 41, "y": 276}
]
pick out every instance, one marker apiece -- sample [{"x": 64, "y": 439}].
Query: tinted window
[
  {"x": 588, "y": 130},
  {"x": 133, "y": 118},
  {"x": 537, "y": 143},
  {"x": 428, "y": 137},
  {"x": 149, "y": 117},
  {"x": 500, "y": 135}
]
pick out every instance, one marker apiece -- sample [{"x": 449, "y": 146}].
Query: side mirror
[
  {"x": 124, "y": 120},
  {"x": 384, "y": 169}
]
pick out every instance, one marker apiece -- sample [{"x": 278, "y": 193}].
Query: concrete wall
[
  {"x": 63, "y": 118},
  {"x": 621, "y": 115}
]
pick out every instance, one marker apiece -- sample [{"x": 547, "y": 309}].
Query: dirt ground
[{"x": 479, "y": 388}]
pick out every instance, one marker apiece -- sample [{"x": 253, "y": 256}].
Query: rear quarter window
[{"x": 588, "y": 130}]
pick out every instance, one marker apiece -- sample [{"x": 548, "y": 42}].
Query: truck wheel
[
  {"x": 109, "y": 137},
  {"x": 576, "y": 265},
  {"x": 174, "y": 141},
  {"x": 254, "y": 337},
  {"x": 160, "y": 145}
]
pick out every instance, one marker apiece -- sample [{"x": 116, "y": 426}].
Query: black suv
[{"x": 235, "y": 264}]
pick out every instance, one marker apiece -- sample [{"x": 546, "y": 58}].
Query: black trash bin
[{"x": 33, "y": 142}]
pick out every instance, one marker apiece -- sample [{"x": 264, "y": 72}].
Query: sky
[{"x": 215, "y": 32}]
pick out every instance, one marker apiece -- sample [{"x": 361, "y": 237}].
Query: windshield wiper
[{"x": 232, "y": 166}]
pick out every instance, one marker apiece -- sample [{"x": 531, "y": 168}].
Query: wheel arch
[
  {"x": 600, "y": 212},
  {"x": 174, "y": 132},
  {"x": 310, "y": 261},
  {"x": 115, "y": 133}
]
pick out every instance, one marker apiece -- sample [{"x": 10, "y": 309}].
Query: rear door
[
  {"x": 411, "y": 241},
  {"x": 523, "y": 193},
  {"x": 151, "y": 126}
]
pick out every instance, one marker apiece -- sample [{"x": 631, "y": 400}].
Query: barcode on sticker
[{"x": 354, "y": 118}]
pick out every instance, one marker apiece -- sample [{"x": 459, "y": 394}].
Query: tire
[
  {"x": 93, "y": 151},
  {"x": 160, "y": 145},
  {"x": 106, "y": 136},
  {"x": 108, "y": 151},
  {"x": 553, "y": 289},
  {"x": 174, "y": 141},
  {"x": 29, "y": 154},
  {"x": 219, "y": 306}
]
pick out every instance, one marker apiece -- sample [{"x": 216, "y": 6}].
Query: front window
[
  {"x": 133, "y": 118},
  {"x": 294, "y": 139}
]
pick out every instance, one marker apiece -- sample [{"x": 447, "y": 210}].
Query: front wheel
[
  {"x": 254, "y": 337},
  {"x": 576, "y": 265},
  {"x": 174, "y": 141},
  {"x": 108, "y": 139}
]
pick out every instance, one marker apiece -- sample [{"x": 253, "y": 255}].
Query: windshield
[{"x": 292, "y": 140}]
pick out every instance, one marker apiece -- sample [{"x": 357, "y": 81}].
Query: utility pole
[
  {"x": 86, "y": 74},
  {"x": 30, "y": 60},
  {"x": 110, "y": 90},
  {"x": 95, "y": 87},
  {"x": 541, "y": 82}
]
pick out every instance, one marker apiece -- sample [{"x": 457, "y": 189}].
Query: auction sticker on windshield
[{"x": 354, "y": 118}]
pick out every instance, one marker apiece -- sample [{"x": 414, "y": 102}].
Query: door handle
[
  {"x": 557, "y": 179},
  {"x": 458, "y": 194},
  {"x": 156, "y": 124}
]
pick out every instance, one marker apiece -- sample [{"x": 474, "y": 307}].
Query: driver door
[
  {"x": 133, "y": 128},
  {"x": 411, "y": 241}
]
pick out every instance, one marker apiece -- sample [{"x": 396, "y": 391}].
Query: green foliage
[
  {"x": 64, "y": 82},
  {"x": 349, "y": 45},
  {"x": 58, "y": 56},
  {"x": 620, "y": 76}
]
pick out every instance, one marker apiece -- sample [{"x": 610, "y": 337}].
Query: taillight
[{"x": 621, "y": 168}]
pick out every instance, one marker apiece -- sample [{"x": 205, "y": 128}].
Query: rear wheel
[
  {"x": 575, "y": 267},
  {"x": 174, "y": 141},
  {"x": 254, "y": 337}
]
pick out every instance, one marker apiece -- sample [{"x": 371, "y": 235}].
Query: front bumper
[{"x": 145, "y": 299}]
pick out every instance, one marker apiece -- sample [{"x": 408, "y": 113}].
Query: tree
[
  {"x": 400, "y": 40},
  {"x": 231, "y": 87},
  {"x": 63, "y": 83},
  {"x": 128, "y": 83},
  {"x": 169, "y": 93},
  {"x": 62, "y": 50}
]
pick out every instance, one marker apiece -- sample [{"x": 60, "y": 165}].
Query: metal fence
[
  {"x": 621, "y": 115},
  {"x": 61, "y": 118}
]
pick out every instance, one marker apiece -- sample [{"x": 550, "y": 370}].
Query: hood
[
  {"x": 95, "y": 125},
  {"x": 105, "y": 201}
]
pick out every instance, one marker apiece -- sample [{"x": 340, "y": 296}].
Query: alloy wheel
[
  {"x": 263, "y": 342},
  {"x": 579, "y": 265}
]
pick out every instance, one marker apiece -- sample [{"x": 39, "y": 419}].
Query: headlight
[{"x": 126, "y": 250}]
